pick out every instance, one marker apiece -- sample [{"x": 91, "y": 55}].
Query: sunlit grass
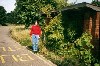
[{"x": 21, "y": 35}]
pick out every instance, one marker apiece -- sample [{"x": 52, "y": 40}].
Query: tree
[
  {"x": 61, "y": 4},
  {"x": 11, "y": 18},
  {"x": 96, "y": 2},
  {"x": 30, "y": 10},
  {"x": 2, "y": 15}
]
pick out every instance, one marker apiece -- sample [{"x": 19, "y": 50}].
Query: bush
[
  {"x": 77, "y": 53},
  {"x": 54, "y": 33}
]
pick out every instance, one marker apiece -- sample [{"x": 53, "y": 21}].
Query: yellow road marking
[
  {"x": 10, "y": 49},
  {"x": 15, "y": 58},
  {"x": 2, "y": 59},
  {"x": 28, "y": 56},
  {"x": 24, "y": 54},
  {"x": 20, "y": 58},
  {"x": 17, "y": 48},
  {"x": 4, "y": 49}
]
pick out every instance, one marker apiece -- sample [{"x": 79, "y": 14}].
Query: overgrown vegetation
[
  {"x": 63, "y": 41},
  {"x": 77, "y": 53},
  {"x": 30, "y": 10},
  {"x": 20, "y": 34},
  {"x": 76, "y": 47},
  {"x": 54, "y": 33}
]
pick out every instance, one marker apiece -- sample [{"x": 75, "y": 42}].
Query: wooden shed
[{"x": 89, "y": 17}]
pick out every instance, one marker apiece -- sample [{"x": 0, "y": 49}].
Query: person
[{"x": 35, "y": 34}]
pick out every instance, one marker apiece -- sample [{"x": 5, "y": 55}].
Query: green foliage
[
  {"x": 2, "y": 15},
  {"x": 97, "y": 3},
  {"x": 11, "y": 18},
  {"x": 27, "y": 11},
  {"x": 96, "y": 64},
  {"x": 54, "y": 33},
  {"x": 47, "y": 9},
  {"x": 70, "y": 34},
  {"x": 61, "y": 4},
  {"x": 84, "y": 47},
  {"x": 30, "y": 10},
  {"x": 74, "y": 51},
  {"x": 77, "y": 53}
]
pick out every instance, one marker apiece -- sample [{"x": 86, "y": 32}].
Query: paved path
[{"x": 13, "y": 54}]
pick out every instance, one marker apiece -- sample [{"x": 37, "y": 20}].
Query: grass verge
[{"x": 21, "y": 35}]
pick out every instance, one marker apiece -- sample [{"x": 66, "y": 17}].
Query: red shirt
[{"x": 35, "y": 29}]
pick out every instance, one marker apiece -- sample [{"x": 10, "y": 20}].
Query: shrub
[
  {"x": 54, "y": 33},
  {"x": 77, "y": 53}
]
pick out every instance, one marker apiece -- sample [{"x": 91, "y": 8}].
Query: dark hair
[
  {"x": 33, "y": 22},
  {"x": 37, "y": 21}
]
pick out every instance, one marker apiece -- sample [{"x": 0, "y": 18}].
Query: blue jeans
[{"x": 35, "y": 40}]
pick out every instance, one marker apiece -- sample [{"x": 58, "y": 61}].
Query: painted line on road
[
  {"x": 28, "y": 56},
  {"x": 10, "y": 49},
  {"x": 17, "y": 48},
  {"x": 20, "y": 58},
  {"x": 2, "y": 59},
  {"x": 4, "y": 49},
  {"x": 15, "y": 58}
]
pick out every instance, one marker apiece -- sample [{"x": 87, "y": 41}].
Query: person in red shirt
[{"x": 35, "y": 35}]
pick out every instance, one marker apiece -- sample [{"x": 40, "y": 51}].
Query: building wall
[
  {"x": 97, "y": 25},
  {"x": 96, "y": 36},
  {"x": 92, "y": 25}
]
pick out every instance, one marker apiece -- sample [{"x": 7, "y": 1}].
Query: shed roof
[{"x": 80, "y": 5}]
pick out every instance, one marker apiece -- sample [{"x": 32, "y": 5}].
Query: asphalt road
[{"x": 13, "y": 54}]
